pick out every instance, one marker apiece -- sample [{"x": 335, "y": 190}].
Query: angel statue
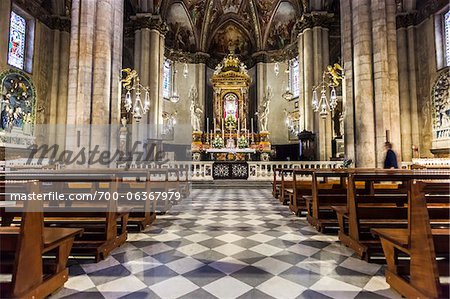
[
  {"x": 218, "y": 69},
  {"x": 336, "y": 73},
  {"x": 243, "y": 68},
  {"x": 129, "y": 77},
  {"x": 264, "y": 110},
  {"x": 196, "y": 111}
]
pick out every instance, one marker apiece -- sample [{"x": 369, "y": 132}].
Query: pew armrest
[
  {"x": 398, "y": 237},
  {"x": 55, "y": 236}
]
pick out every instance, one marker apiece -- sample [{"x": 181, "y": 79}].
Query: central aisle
[{"x": 229, "y": 243}]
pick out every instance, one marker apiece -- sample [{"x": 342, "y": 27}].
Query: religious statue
[
  {"x": 243, "y": 68},
  {"x": 218, "y": 69},
  {"x": 129, "y": 77},
  {"x": 336, "y": 73},
  {"x": 196, "y": 111},
  {"x": 264, "y": 111}
]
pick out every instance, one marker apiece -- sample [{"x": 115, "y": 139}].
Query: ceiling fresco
[
  {"x": 180, "y": 36},
  {"x": 216, "y": 26}
]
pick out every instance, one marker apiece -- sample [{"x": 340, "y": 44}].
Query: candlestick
[
  {"x": 207, "y": 125},
  {"x": 215, "y": 129},
  {"x": 239, "y": 128}
]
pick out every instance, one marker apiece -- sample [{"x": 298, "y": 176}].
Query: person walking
[{"x": 390, "y": 162}]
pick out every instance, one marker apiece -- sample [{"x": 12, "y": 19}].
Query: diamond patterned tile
[
  {"x": 216, "y": 244},
  {"x": 227, "y": 287}
]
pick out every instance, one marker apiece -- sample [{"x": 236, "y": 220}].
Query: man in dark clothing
[{"x": 391, "y": 158}]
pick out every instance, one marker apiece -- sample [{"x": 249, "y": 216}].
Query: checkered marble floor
[{"x": 228, "y": 243}]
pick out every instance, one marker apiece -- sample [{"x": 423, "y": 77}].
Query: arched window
[
  {"x": 167, "y": 79},
  {"x": 447, "y": 37},
  {"x": 17, "y": 35},
  {"x": 294, "y": 77},
  {"x": 20, "y": 43}
]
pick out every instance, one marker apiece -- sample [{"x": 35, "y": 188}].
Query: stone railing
[
  {"x": 264, "y": 171},
  {"x": 258, "y": 171}
]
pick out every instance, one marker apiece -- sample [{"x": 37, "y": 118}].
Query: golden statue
[
  {"x": 130, "y": 76},
  {"x": 336, "y": 73}
]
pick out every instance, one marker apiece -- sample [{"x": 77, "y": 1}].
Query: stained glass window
[
  {"x": 167, "y": 79},
  {"x": 16, "y": 50},
  {"x": 294, "y": 77},
  {"x": 447, "y": 37}
]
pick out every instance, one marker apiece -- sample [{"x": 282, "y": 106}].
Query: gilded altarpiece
[{"x": 231, "y": 84}]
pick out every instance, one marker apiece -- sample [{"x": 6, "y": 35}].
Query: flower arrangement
[
  {"x": 230, "y": 122},
  {"x": 242, "y": 142},
  {"x": 217, "y": 142}
]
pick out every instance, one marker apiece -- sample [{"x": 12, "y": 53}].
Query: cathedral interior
[{"x": 252, "y": 112}]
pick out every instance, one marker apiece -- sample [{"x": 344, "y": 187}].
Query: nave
[{"x": 228, "y": 243}]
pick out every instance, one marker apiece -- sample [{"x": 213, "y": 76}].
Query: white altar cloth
[{"x": 232, "y": 150}]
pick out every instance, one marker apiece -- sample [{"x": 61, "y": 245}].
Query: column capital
[
  {"x": 199, "y": 57},
  {"x": 315, "y": 19},
  {"x": 58, "y": 23},
  {"x": 405, "y": 20},
  {"x": 148, "y": 21}
]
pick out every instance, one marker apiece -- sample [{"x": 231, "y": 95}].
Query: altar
[
  {"x": 231, "y": 154},
  {"x": 231, "y": 136}
]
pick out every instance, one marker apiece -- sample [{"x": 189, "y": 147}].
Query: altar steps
[{"x": 230, "y": 184}]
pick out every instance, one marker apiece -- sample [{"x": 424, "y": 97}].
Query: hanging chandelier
[
  {"x": 174, "y": 98},
  {"x": 330, "y": 80},
  {"x": 131, "y": 83},
  {"x": 276, "y": 69},
  {"x": 288, "y": 94},
  {"x": 185, "y": 70}
]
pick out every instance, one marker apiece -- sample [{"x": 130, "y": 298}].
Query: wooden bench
[
  {"x": 371, "y": 210},
  {"x": 329, "y": 189},
  {"x": 426, "y": 237},
  {"x": 286, "y": 184},
  {"x": 134, "y": 193},
  {"x": 276, "y": 183},
  {"x": 22, "y": 249},
  {"x": 104, "y": 222}
]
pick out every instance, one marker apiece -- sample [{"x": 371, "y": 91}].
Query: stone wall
[{"x": 49, "y": 72}]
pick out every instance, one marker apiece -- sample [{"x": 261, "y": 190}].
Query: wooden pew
[
  {"x": 426, "y": 237},
  {"x": 159, "y": 183},
  {"x": 22, "y": 249},
  {"x": 276, "y": 183},
  {"x": 286, "y": 185},
  {"x": 329, "y": 188},
  {"x": 134, "y": 193},
  {"x": 323, "y": 196},
  {"x": 370, "y": 210},
  {"x": 299, "y": 187},
  {"x": 103, "y": 221}
]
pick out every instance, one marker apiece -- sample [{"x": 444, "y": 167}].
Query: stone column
[
  {"x": 313, "y": 43},
  {"x": 404, "y": 89},
  {"x": 93, "y": 69},
  {"x": 347, "y": 83},
  {"x": 385, "y": 69},
  {"x": 58, "y": 89},
  {"x": 149, "y": 59},
  {"x": 261, "y": 69},
  {"x": 370, "y": 59}
]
